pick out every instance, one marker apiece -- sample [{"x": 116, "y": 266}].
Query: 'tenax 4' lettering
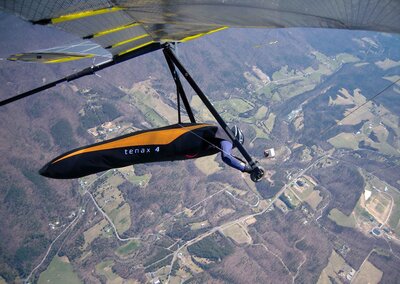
[{"x": 133, "y": 151}]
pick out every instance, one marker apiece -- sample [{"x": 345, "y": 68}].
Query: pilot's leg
[{"x": 226, "y": 149}]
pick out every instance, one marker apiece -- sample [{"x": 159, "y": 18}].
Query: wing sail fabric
[
  {"x": 74, "y": 51},
  {"x": 175, "y": 142},
  {"x": 44, "y": 57},
  {"x": 123, "y": 26}
]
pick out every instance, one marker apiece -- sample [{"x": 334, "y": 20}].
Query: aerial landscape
[{"x": 326, "y": 211}]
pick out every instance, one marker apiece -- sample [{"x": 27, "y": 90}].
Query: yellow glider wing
[{"x": 124, "y": 26}]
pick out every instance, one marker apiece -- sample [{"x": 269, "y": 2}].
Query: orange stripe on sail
[{"x": 160, "y": 137}]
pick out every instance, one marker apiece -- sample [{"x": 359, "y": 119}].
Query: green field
[
  {"x": 154, "y": 118},
  {"x": 342, "y": 219},
  {"x": 121, "y": 217},
  {"x": 261, "y": 113},
  {"x": 344, "y": 140},
  {"x": 368, "y": 273},
  {"x": 283, "y": 73},
  {"x": 234, "y": 106},
  {"x": 59, "y": 271},
  {"x": 394, "y": 220},
  {"x": 92, "y": 233},
  {"x": 288, "y": 83},
  {"x": 201, "y": 112},
  {"x": 139, "y": 180},
  {"x": 335, "y": 264},
  {"x": 346, "y": 58},
  {"x": 207, "y": 165},
  {"x": 259, "y": 132},
  {"x": 350, "y": 141},
  {"x": 269, "y": 124},
  {"x": 127, "y": 249},
  {"x": 147, "y": 106},
  {"x": 266, "y": 91},
  {"x": 314, "y": 199},
  {"x": 296, "y": 88},
  {"x": 105, "y": 268}
]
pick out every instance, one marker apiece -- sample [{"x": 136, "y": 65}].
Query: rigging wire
[
  {"x": 205, "y": 140},
  {"x": 360, "y": 106}
]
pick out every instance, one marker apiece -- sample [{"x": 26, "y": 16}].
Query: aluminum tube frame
[{"x": 171, "y": 55}]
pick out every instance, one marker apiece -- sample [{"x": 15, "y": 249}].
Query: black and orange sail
[{"x": 171, "y": 143}]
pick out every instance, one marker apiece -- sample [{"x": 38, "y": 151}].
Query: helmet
[{"x": 238, "y": 134}]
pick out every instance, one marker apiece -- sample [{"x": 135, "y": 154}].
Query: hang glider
[
  {"x": 122, "y": 27},
  {"x": 176, "y": 142}
]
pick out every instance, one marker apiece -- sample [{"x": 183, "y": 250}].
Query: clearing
[
  {"x": 261, "y": 113},
  {"x": 127, "y": 249},
  {"x": 238, "y": 234},
  {"x": 378, "y": 205},
  {"x": 345, "y": 140},
  {"x": 121, "y": 218},
  {"x": 387, "y": 64},
  {"x": 335, "y": 267},
  {"x": 199, "y": 225},
  {"x": 93, "y": 232},
  {"x": 270, "y": 122},
  {"x": 208, "y": 165},
  {"x": 304, "y": 188},
  {"x": 368, "y": 273},
  {"x": 151, "y": 103},
  {"x": 341, "y": 219},
  {"x": 105, "y": 268},
  {"x": 234, "y": 106},
  {"x": 59, "y": 271},
  {"x": 129, "y": 174},
  {"x": 314, "y": 199}
]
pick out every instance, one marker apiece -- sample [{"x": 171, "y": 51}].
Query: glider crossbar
[
  {"x": 170, "y": 56},
  {"x": 84, "y": 72}
]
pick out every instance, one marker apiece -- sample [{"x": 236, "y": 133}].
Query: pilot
[{"x": 226, "y": 149}]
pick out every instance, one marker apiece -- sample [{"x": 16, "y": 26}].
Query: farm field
[
  {"x": 376, "y": 119},
  {"x": 341, "y": 219},
  {"x": 314, "y": 199},
  {"x": 94, "y": 232},
  {"x": 105, "y": 269},
  {"x": 368, "y": 274},
  {"x": 331, "y": 271},
  {"x": 59, "y": 271},
  {"x": 238, "y": 233},
  {"x": 208, "y": 165},
  {"x": 127, "y": 249}
]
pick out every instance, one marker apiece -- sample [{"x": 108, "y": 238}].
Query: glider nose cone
[
  {"x": 47, "y": 172},
  {"x": 44, "y": 171}
]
